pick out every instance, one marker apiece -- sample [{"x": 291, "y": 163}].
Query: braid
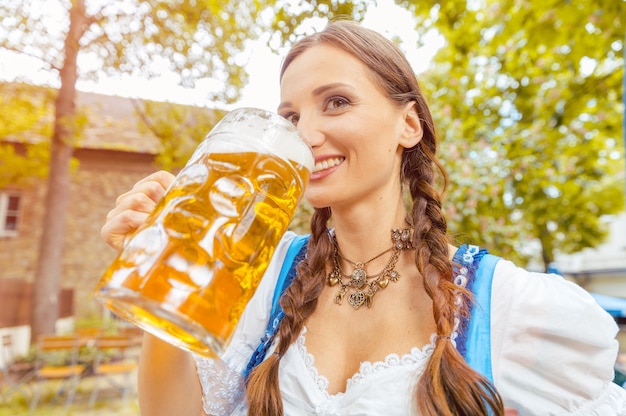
[
  {"x": 448, "y": 386},
  {"x": 298, "y": 303}
]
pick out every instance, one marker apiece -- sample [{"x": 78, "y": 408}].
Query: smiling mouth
[{"x": 327, "y": 164}]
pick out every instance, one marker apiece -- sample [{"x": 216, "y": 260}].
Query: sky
[
  {"x": 262, "y": 90},
  {"x": 387, "y": 18}
]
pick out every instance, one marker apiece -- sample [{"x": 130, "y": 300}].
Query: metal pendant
[
  {"x": 339, "y": 296},
  {"x": 401, "y": 239},
  {"x": 356, "y": 299},
  {"x": 333, "y": 278},
  {"x": 368, "y": 299},
  {"x": 359, "y": 278}
]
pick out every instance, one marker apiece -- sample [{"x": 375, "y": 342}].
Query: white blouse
[{"x": 552, "y": 352}]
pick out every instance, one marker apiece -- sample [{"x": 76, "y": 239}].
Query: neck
[{"x": 362, "y": 236}]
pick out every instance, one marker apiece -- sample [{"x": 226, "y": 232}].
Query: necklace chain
[
  {"x": 361, "y": 290},
  {"x": 359, "y": 275},
  {"x": 362, "y": 264}
]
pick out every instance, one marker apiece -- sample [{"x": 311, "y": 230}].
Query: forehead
[{"x": 321, "y": 64}]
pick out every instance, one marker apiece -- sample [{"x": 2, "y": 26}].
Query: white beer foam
[{"x": 259, "y": 135}]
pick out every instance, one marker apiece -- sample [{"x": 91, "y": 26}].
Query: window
[{"x": 9, "y": 214}]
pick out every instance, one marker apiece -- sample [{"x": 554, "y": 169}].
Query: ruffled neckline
[{"x": 416, "y": 356}]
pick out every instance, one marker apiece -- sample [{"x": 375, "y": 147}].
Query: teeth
[{"x": 328, "y": 163}]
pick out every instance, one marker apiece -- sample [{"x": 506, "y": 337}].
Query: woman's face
[{"x": 356, "y": 132}]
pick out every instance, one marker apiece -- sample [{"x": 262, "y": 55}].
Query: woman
[{"x": 372, "y": 319}]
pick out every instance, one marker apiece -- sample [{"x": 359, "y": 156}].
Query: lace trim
[
  {"x": 222, "y": 388},
  {"x": 415, "y": 356},
  {"x": 367, "y": 368},
  {"x": 461, "y": 280},
  {"x": 309, "y": 362}
]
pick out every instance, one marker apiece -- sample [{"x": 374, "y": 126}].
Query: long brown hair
[{"x": 448, "y": 385}]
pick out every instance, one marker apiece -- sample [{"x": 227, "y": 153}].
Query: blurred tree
[
  {"x": 179, "y": 129},
  {"x": 196, "y": 40},
  {"x": 294, "y": 19},
  {"x": 527, "y": 97},
  {"x": 23, "y": 120}
]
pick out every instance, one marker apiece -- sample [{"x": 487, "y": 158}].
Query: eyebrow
[{"x": 319, "y": 91}]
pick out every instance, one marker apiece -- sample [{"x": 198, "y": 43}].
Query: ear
[{"x": 412, "y": 131}]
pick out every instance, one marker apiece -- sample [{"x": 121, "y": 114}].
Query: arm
[{"x": 168, "y": 383}]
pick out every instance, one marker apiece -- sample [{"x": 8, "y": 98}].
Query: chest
[
  {"x": 340, "y": 339},
  {"x": 379, "y": 388}
]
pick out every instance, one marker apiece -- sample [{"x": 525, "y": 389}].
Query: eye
[
  {"x": 292, "y": 118},
  {"x": 336, "y": 103}
]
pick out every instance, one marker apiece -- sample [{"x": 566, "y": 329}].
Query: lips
[{"x": 322, "y": 165}]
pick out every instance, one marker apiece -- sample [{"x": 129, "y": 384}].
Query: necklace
[
  {"x": 362, "y": 287},
  {"x": 359, "y": 275}
]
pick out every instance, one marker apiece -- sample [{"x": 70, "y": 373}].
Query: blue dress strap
[
  {"x": 473, "y": 268},
  {"x": 478, "y": 344},
  {"x": 297, "y": 250},
  {"x": 295, "y": 254}
]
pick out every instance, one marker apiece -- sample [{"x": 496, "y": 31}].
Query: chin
[
  {"x": 317, "y": 200},
  {"x": 316, "y": 204}
]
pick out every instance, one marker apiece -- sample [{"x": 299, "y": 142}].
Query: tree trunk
[
  {"x": 47, "y": 283},
  {"x": 547, "y": 246}
]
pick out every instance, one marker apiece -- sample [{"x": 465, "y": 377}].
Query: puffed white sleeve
[
  {"x": 222, "y": 382},
  {"x": 553, "y": 346}
]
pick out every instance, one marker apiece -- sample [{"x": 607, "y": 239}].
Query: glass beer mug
[{"x": 187, "y": 274}]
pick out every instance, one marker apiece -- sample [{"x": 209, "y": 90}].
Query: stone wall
[{"x": 102, "y": 175}]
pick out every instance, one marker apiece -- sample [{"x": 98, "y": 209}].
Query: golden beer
[{"x": 187, "y": 274}]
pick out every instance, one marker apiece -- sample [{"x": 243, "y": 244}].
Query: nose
[{"x": 311, "y": 131}]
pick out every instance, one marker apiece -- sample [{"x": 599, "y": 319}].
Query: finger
[
  {"x": 155, "y": 184},
  {"x": 115, "y": 231},
  {"x": 132, "y": 208},
  {"x": 144, "y": 194},
  {"x": 138, "y": 200},
  {"x": 153, "y": 189}
]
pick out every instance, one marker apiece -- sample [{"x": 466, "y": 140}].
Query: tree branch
[{"x": 39, "y": 58}]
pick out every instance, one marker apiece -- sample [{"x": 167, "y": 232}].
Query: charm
[
  {"x": 359, "y": 277},
  {"x": 339, "y": 298},
  {"x": 401, "y": 239},
  {"x": 368, "y": 299},
  {"x": 356, "y": 299},
  {"x": 333, "y": 278}
]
